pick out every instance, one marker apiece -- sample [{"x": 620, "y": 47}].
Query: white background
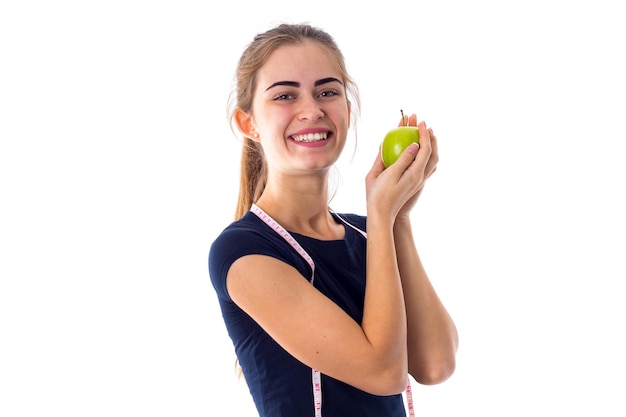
[{"x": 118, "y": 168}]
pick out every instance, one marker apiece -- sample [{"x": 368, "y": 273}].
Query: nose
[{"x": 310, "y": 109}]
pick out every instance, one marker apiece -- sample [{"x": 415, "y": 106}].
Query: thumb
[
  {"x": 378, "y": 166},
  {"x": 408, "y": 155}
]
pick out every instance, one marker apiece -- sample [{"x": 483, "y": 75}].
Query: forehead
[{"x": 302, "y": 62}]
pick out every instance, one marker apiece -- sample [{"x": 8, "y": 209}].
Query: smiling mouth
[{"x": 310, "y": 137}]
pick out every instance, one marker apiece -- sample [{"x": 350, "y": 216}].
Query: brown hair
[{"x": 253, "y": 169}]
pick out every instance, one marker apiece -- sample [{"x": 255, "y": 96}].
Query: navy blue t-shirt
[{"x": 281, "y": 385}]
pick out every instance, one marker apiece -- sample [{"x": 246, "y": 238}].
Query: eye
[
  {"x": 328, "y": 93},
  {"x": 283, "y": 97}
]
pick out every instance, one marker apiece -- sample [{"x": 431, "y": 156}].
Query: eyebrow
[{"x": 297, "y": 84}]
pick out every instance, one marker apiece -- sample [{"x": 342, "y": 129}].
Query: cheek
[
  {"x": 342, "y": 107},
  {"x": 272, "y": 118},
  {"x": 343, "y": 121}
]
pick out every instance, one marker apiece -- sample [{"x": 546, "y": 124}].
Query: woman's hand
[
  {"x": 431, "y": 165},
  {"x": 395, "y": 190}
]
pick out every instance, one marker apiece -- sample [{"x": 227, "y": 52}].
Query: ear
[{"x": 244, "y": 123}]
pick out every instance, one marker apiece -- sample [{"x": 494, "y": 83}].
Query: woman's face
[{"x": 300, "y": 109}]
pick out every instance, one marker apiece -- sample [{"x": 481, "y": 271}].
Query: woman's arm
[{"x": 432, "y": 335}]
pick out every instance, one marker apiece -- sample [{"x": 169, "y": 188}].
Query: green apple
[{"x": 396, "y": 141}]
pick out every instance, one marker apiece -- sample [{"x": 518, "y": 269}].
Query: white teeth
[{"x": 310, "y": 137}]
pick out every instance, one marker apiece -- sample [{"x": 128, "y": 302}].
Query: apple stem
[{"x": 403, "y": 121}]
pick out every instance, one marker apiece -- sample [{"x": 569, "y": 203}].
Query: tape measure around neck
[{"x": 285, "y": 235}]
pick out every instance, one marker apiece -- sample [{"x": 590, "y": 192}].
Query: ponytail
[{"x": 253, "y": 176}]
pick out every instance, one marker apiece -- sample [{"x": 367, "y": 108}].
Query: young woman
[{"x": 328, "y": 313}]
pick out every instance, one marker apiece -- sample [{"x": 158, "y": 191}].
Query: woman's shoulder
[{"x": 249, "y": 235}]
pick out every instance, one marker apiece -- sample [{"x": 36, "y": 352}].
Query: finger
[
  {"x": 425, "y": 149},
  {"x": 408, "y": 120},
  {"x": 433, "y": 160},
  {"x": 433, "y": 142},
  {"x": 424, "y": 134},
  {"x": 407, "y": 156}
]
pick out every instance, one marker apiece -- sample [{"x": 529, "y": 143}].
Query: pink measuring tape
[{"x": 316, "y": 377}]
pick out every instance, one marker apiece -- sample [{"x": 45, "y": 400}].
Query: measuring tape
[{"x": 316, "y": 377}]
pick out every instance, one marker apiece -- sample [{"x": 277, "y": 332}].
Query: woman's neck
[{"x": 301, "y": 209}]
